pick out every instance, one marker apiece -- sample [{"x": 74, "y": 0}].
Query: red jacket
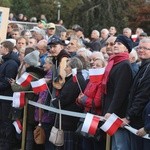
[{"x": 92, "y": 98}]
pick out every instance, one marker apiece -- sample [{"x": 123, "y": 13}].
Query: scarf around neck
[{"x": 113, "y": 60}]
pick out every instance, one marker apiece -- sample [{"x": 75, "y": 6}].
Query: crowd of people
[{"x": 123, "y": 90}]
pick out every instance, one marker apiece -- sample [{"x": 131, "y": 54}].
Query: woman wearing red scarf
[{"x": 116, "y": 86}]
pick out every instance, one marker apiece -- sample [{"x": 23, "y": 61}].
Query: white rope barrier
[{"x": 68, "y": 113}]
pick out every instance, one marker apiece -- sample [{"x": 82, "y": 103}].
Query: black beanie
[{"x": 127, "y": 42}]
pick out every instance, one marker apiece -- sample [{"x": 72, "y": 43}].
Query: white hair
[
  {"x": 87, "y": 53},
  {"x": 105, "y": 30},
  {"x": 99, "y": 55},
  {"x": 134, "y": 54},
  {"x": 79, "y": 41},
  {"x": 145, "y": 40},
  {"x": 97, "y": 32},
  {"x": 127, "y": 29}
]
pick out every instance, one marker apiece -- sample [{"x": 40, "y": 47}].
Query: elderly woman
[{"x": 68, "y": 95}]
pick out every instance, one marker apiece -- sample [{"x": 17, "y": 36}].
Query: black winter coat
[
  {"x": 118, "y": 88},
  {"x": 8, "y": 69},
  {"x": 140, "y": 95},
  {"x": 68, "y": 95}
]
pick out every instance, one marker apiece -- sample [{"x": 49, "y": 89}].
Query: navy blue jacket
[
  {"x": 146, "y": 116},
  {"x": 118, "y": 88},
  {"x": 8, "y": 69}
]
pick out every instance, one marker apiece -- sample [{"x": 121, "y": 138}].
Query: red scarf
[{"x": 113, "y": 60}]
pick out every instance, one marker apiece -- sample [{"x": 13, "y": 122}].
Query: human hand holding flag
[
  {"x": 18, "y": 99},
  {"x": 90, "y": 124},
  {"x": 75, "y": 79},
  {"x": 25, "y": 79},
  {"x": 39, "y": 86},
  {"x": 112, "y": 124}
]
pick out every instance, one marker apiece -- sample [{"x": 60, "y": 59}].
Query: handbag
[
  {"x": 39, "y": 133},
  {"x": 57, "y": 135}
]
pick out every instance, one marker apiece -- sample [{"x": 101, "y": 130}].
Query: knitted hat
[
  {"x": 32, "y": 58},
  {"x": 127, "y": 42}
]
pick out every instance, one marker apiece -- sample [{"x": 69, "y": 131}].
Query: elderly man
[
  {"x": 104, "y": 37},
  {"x": 42, "y": 48},
  {"x": 94, "y": 44},
  {"x": 116, "y": 86},
  {"x": 140, "y": 96},
  {"x": 127, "y": 32},
  {"x": 74, "y": 44}
]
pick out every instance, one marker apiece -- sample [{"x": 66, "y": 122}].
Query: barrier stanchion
[
  {"x": 23, "y": 141},
  {"x": 108, "y": 142}
]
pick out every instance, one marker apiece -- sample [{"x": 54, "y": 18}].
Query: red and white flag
[
  {"x": 39, "y": 86},
  {"x": 112, "y": 124},
  {"x": 25, "y": 79},
  {"x": 90, "y": 124},
  {"x": 134, "y": 37},
  {"x": 18, "y": 126},
  {"x": 18, "y": 99},
  {"x": 96, "y": 75},
  {"x": 74, "y": 74}
]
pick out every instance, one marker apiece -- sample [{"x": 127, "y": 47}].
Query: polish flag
[
  {"x": 74, "y": 74},
  {"x": 18, "y": 99},
  {"x": 90, "y": 124},
  {"x": 112, "y": 124},
  {"x": 134, "y": 37},
  {"x": 39, "y": 86},
  {"x": 18, "y": 126},
  {"x": 96, "y": 75},
  {"x": 25, "y": 79}
]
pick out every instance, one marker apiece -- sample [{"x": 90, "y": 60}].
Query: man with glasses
[{"x": 140, "y": 96}]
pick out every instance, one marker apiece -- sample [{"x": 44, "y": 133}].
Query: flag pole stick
[
  {"x": 78, "y": 84},
  {"x": 23, "y": 141},
  {"x": 34, "y": 76},
  {"x": 27, "y": 91},
  {"x": 50, "y": 93},
  {"x": 107, "y": 142}
]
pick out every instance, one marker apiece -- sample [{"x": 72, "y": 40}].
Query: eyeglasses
[
  {"x": 111, "y": 44},
  {"x": 51, "y": 28},
  {"x": 142, "y": 47}
]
